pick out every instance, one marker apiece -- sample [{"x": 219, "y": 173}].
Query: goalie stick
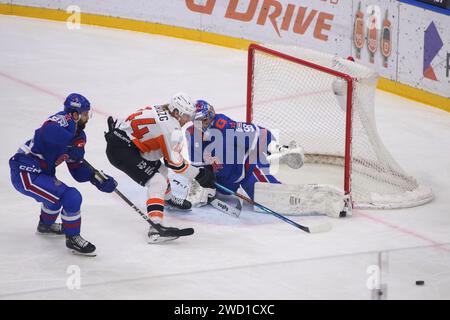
[
  {"x": 163, "y": 231},
  {"x": 225, "y": 207},
  {"x": 236, "y": 211},
  {"x": 311, "y": 229},
  {"x": 199, "y": 197}
]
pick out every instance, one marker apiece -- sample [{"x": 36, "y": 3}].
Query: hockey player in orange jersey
[{"x": 148, "y": 143}]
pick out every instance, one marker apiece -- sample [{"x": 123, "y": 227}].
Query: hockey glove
[
  {"x": 111, "y": 124},
  {"x": 111, "y": 127},
  {"x": 116, "y": 136},
  {"x": 76, "y": 151},
  {"x": 206, "y": 177},
  {"x": 107, "y": 185}
]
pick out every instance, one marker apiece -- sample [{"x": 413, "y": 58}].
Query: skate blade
[
  {"x": 171, "y": 208},
  {"x": 76, "y": 253},
  {"x": 49, "y": 234},
  {"x": 158, "y": 239}
]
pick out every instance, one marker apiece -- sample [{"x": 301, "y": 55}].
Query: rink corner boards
[{"x": 384, "y": 84}]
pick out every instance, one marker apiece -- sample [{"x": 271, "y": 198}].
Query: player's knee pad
[
  {"x": 157, "y": 186},
  {"x": 52, "y": 206},
  {"x": 71, "y": 200}
]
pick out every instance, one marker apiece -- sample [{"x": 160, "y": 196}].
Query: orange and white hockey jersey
[{"x": 158, "y": 135}]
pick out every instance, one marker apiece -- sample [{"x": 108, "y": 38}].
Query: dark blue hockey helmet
[
  {"x": 205, "y": 113},
  {"x": 203, "y": 110},
  {"x": 75, "y": 102}
]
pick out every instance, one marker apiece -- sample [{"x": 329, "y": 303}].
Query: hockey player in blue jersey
[
  {"x": 241, "y": 155},
  {"x": 237, "y": 151},
  {"x": 61, "y": 138}
]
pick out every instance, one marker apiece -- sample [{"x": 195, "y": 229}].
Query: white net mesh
[{"x": 309, "y": 106}]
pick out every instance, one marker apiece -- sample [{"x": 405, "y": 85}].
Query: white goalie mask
[{"x": 183, "y": 103}]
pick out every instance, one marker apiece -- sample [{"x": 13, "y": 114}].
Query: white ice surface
[{"x": 254, "y": 257}]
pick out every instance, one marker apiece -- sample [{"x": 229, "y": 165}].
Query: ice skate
[
  {"x": 52, "y": 229},
  {"x": 178, "y": 204},
  {"x": 80, "y": 246}
]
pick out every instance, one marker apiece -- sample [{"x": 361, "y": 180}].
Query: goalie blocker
[{"x": 303, "y": 199}]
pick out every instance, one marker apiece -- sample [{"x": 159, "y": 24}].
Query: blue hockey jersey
[
  {"x": 232, "y": 148},
  {"x": 56, "y": 141}
]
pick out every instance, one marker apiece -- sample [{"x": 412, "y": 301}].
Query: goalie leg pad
[
  {"x": 301, "y": 199},
  {"x": 259, "y": 175}
]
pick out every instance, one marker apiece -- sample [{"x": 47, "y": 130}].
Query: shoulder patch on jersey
[
  {"x": 62, "y": 120},
  {"x": 220, "y": 123},
  {"x": 244, "y": 127}
]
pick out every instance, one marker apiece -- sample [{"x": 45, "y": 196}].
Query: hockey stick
[
  {"x": 165, "y": 232},
  {"x": 225, "y": 207},
  {"x": 312, "y": 229}
]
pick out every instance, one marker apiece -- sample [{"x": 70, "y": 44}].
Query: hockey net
[{"x": 326, "y": 105}]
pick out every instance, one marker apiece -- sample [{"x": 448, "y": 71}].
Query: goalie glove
[
  {"x": 206, "y": 177},
  {"x": 292, "y": 154}
]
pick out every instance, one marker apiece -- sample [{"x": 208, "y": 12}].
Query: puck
[{"x": 420, "y": 282}]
